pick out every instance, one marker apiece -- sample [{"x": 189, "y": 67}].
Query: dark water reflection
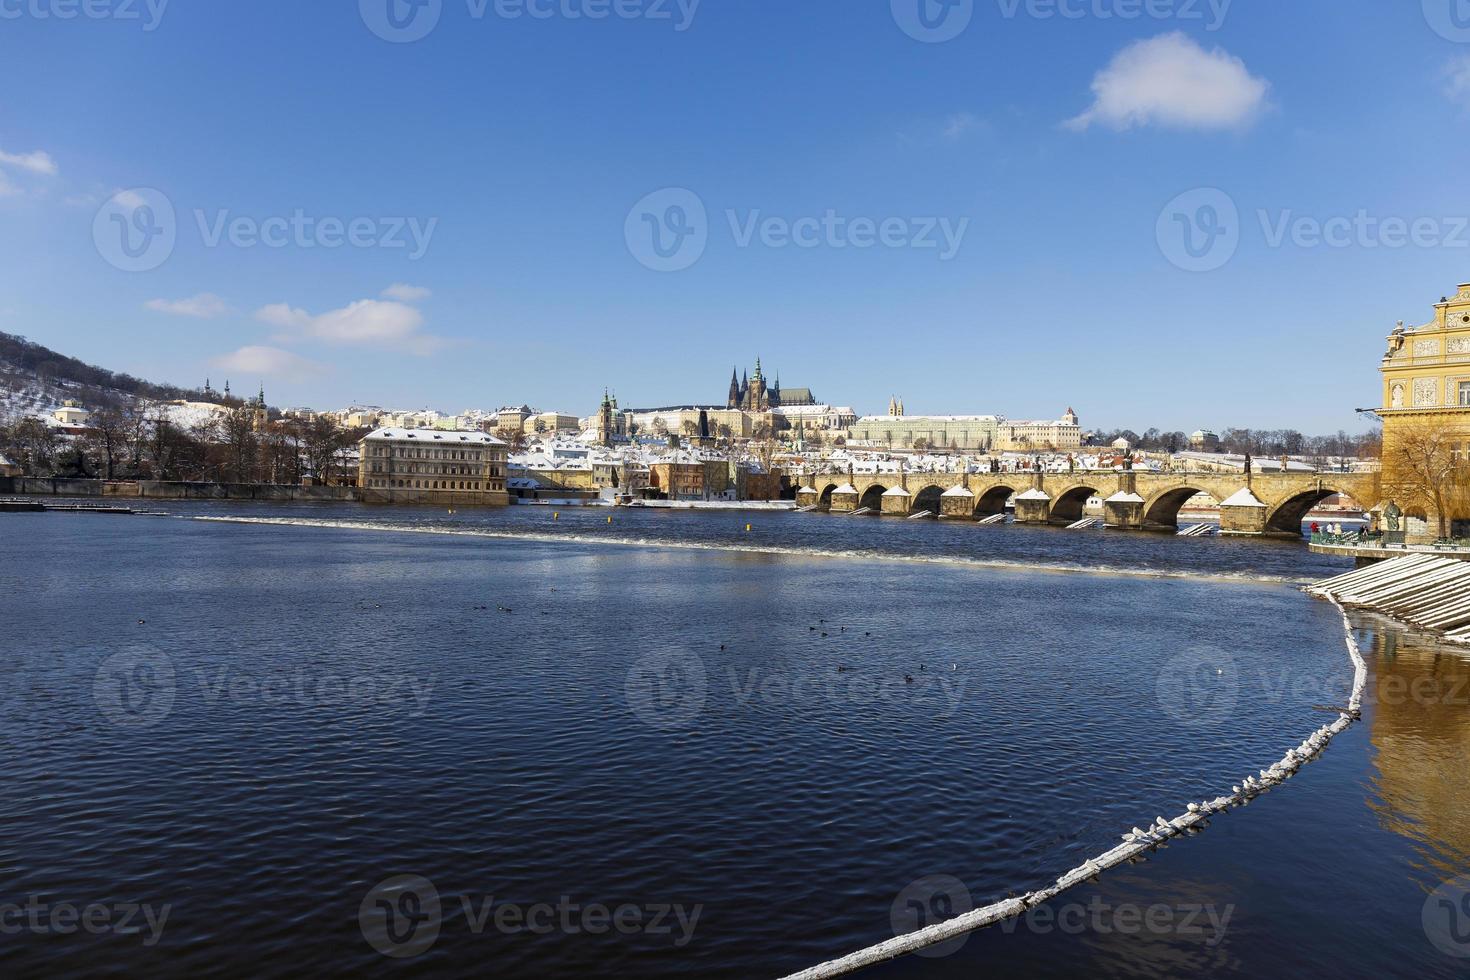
[{"x": 346, "y": 704}]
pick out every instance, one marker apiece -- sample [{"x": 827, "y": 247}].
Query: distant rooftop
[{"x": 447, "y": 436}]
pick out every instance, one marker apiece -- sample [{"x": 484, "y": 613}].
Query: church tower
[
  {"x": 605, "y": 420},
  {"x": 757, "y": 396},
  {"x": 734, "y": 400}
]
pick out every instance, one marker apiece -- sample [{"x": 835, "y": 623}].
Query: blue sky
[{"x": 518, "y": 148}]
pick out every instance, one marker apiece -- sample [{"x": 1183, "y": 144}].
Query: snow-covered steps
[{"x": 1423, "y": 590}]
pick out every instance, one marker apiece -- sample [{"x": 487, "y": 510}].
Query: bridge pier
[
  {"x": 1033, "y": 507},
  {"x": 845, "y": 499},
  {"x": 1243, "y": 514},
  {"x": 957, "y": 504},
  {"x": 1124, "y": 509},
  {"x": 896, "y": 502}
]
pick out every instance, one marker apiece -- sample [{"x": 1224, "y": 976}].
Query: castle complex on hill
[{"x": 752, "y": 395}]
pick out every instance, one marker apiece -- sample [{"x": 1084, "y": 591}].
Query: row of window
[
  {"x": 427, "y": 470},
  {"x": 435, "y": 485},
  {"x": 419, "y": 452}
]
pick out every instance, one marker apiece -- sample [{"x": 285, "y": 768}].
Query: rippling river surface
[{"x": 294, "y": 740}]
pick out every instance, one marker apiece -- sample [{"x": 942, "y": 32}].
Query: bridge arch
[
  {"x": 1162, "y": 511},
  {"x": 931, "y": 498},
  {"x": 825, "y": 500},
  {"x": 1287, "y": 516},
  {"x": 993, "y": 501},
  {"x": 1067, "y": 507},
  {"x": 873, "y": 497}
]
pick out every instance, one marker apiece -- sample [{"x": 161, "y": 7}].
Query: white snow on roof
[
  {"x": 896, "y": 492},
  {"x": 846, "y": 488},
  {"x": 957, "y": 491},
  {"x": 1034, "y": 495},
  {"x": 445, "y": 436},
  {"x": 1124, "y": 498},
  {"x": 1242, "y": 498},
  {"x": 807, "y": 490}
]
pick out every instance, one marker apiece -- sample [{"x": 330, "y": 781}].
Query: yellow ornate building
[
  {"x": 1426, "y": 388},
  {"x": 1427, "y": 369}
]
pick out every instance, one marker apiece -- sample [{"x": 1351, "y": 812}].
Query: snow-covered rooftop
[
  {"x": 445, "y": 436},
  {"x": 1242, "y": 498}
]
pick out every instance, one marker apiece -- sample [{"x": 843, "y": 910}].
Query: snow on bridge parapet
[{"x": 1261, "y": 503}]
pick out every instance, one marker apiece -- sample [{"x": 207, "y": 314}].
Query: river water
[{"x": 533, "y": 743}]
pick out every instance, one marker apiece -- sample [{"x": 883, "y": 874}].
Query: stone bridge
[{"x": 1262, "y": 503}]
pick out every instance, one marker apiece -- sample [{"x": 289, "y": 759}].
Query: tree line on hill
[
  {"x": 49, "y": 367},
  {"x": 139, "y": 441}
]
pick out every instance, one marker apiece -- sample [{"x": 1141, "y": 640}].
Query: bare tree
[
  {"x": 1423, "y": 468},
  {"x": 111, "y": 436},
  {"x": 321, "y": 440},
  {"x": 35, "y": 445}
]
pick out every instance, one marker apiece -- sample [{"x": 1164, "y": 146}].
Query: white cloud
[
  {"x": 269, "y": 362},
  {"x": 130, "y": 199},
  {"x": 7, "y": 189},
  {"x": 403, "y": 292},
  {"x": 959, "y": 124},
  {"x": 1172, "y": 81},
  {"x": 1458, "y": 87},
  {"x": 36, "y": 163},
  {"x": 203, "y": 306},
  {"x": 366, "y": 322}
]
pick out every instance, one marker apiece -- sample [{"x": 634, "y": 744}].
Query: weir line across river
[{"x": 1136, "y": 842}]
